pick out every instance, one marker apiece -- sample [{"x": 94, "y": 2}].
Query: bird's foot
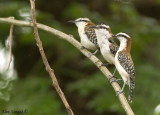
[
  {"x": 106, "y": 64},
  {"x": 112, "y": 79},
  {"x": 95, "y": 52},
  {"x": 82, "y": 48},
  {"x": 115, "y": 80},
  {"x": 119, "y": 92}
]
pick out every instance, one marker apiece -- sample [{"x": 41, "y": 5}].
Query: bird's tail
[{"x": 131, "y": 88}]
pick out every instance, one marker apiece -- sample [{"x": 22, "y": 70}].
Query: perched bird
[
  {"x": 124, "y": 63},
  {"x": 106, "y": 43},
  {"x": 87, "y": 34}
]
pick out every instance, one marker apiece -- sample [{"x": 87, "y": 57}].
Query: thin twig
[
  {"x": 75, "y": 43},
  {"x": 10, "y": 43},
  {"x": 45, "y": 61}
]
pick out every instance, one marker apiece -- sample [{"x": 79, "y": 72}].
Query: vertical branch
[
  {"x": 10, "y": 44},
  {"x": 45, "y": 61}
]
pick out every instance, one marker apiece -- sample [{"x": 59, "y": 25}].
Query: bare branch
[
  {"x": 10, "y": 43},
  {"x": 75, "y": 43},
  {"x": 45, "y": 61}
]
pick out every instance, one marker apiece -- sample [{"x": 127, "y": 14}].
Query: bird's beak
[
  {"x": 113, "y": 36},
  {"x": 72, "y": 21},
  {"x": 93, "y": 26}
]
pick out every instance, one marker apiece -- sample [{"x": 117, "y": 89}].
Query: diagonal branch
[
  {"x": 45, "y": 61},
  {"x": 75, "y": 43}
]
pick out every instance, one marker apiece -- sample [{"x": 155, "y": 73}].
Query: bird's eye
[
  {"x": 83, "y": 21},
  {"x": 102, "y": 27},
  {"x": 107, "y": 28},
  {"x": 110, "y": 41},
  {"x": 121, "y": 35},
  {"x": 124, "y": 36}
]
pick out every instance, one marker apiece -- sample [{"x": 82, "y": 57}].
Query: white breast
[
  {"x": 105, "y": 51},
  {"x": 84, "y": 39}
]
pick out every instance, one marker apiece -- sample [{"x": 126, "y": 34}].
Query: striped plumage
[
  {"x": 113, "y": 47},
  {"x": 87, "y": 34},
  {"x": 124, "y": 63},
  {"x": 90, "y": 32}
]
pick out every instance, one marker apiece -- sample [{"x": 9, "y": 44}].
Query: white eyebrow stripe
[
  {"x": 123, "y": 35},
  {"x": 103, "y": 26},
  {"x": 82, "y": 19}
]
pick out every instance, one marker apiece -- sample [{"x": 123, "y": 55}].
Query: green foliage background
[{"x": 85, "y": 87}]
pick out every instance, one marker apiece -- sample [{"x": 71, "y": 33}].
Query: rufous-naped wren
[
  {"x": 106, "y": 43},
  {"x": 124, "y": 63},
  {"x": 87, "y": 35}
]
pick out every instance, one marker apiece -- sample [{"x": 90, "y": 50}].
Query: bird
[
  {"x": 108, "y": 47},
  {"x": 87, "y": 35},
  {"x": 124, "y": 63}
]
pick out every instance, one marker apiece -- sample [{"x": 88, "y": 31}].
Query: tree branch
[
  {"x": 10, "y": 43},
  {"x": 75, "y": 43},
  {"x": 45, "y": 61}
]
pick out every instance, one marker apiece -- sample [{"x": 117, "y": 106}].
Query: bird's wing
[
  {"x": 113, "y": 47},
  {"x": 126, "y": 62},
  {"x": 90, "y": 32}
]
